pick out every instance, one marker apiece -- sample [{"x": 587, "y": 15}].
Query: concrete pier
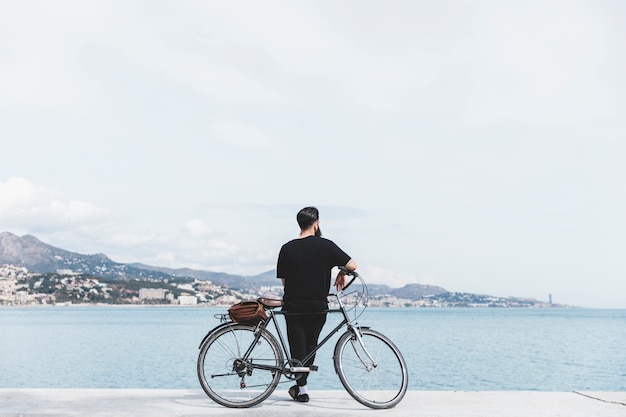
[{"x": 174, "y": 403}]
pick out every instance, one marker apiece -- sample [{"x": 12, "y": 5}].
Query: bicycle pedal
[{"x": 301, "y": 369}]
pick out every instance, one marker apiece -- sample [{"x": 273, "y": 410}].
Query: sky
[{"x": 474, "y": 145}]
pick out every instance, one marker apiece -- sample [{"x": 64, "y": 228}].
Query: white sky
[{"x": 475, "y": 145}]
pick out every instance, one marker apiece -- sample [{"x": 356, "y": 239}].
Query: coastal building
[
  {"x": 7, "y": 290},
  {"x": 187, "y": 300},
  {"x": 185, "y": 287},
  {"x": 226, "y": 300},
  {"x": 152, "y": 294},
  {"x": 9, "y": 276}
]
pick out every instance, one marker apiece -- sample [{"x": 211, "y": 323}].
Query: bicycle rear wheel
[
  {"x": 231, "y": 379},
  {"x": 380, "y": 383}
]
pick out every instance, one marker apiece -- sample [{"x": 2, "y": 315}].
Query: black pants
[{"x": 303, "y": 330}]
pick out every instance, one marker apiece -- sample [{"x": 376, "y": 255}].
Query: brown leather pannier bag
[{"x": 247, "y": 312}]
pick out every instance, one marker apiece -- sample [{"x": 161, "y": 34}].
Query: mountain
[
  {"x": 39, "y": 257},
  {"x": 36, "y": 256},
  {"x": 219, "y": 278},
  {"x": 416, "y": 291}
]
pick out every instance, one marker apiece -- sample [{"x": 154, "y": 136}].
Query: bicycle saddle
[{"x": 270, "y": 302}]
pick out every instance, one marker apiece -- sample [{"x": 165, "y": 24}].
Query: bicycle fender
[
  {"x": 365, "y": 327},
  {"x": 348, "y": 331},
  {"x": 213, "y": 330}
]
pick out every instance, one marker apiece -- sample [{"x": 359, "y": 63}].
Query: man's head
[{"x": 309, "y": 217}]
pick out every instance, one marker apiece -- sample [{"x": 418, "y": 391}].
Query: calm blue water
[{"x": 446, "y": 349}]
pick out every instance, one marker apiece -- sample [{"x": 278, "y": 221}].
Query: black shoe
[
  {"x": 293, "y": 392},
  {"x": 303, "y": 398}
]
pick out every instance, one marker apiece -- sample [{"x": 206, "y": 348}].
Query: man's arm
[{"x": 351, "y": 265}]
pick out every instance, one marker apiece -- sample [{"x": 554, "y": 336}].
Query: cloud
[
  {"x": 197, "y": 228},
  {"x": 80, "y": 226},
  {"x": 26, "y": 205}
]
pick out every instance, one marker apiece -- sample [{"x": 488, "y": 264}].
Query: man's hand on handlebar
[
  {"x": 348, "y": 269},
  {"x": 340, "y": 281}
]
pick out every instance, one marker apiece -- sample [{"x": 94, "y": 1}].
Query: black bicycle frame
[{"x": 272, "y": 317}]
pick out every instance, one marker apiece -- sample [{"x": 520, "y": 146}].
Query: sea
[{"x": 446, "y": 349}]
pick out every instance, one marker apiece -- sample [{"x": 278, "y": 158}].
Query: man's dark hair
[{"x": 307, "y": 216}]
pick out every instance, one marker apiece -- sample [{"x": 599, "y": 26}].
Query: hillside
[
  {"x": 60, "y": 269},
  {"x": 36, "y": 256}
]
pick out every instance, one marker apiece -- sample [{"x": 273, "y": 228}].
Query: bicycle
[{"x": 240, "y": 365}]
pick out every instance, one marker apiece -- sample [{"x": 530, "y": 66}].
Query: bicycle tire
[
  {"x": 230, "y": 380},
  {"x": 381, "y": 386}
]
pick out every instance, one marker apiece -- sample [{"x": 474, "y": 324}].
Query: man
[{"x": 304, "y": 266}]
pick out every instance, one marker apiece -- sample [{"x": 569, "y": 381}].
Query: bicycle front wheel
[
  {"x": 238, "y": 369},
  {"x": 373, "y": 372}
]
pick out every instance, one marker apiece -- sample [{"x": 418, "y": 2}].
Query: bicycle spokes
[
  {"x": 371, "y": 368},
  {"x": 239, "y": 380}
]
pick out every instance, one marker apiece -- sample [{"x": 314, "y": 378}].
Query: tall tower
[{"x": 550, "y": 299}]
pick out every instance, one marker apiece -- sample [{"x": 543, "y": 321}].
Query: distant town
[{"x": 19, "y": 287}]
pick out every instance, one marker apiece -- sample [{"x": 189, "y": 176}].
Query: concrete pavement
[{"x": 174, "y": 403}]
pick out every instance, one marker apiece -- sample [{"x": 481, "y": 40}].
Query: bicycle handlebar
[{"x": 348, "y": 271}]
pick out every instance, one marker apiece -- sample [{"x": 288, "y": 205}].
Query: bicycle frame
[{"x": 293, "y": 369}]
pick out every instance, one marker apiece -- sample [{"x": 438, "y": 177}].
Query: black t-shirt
[{"x": 305, "y": 264}]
